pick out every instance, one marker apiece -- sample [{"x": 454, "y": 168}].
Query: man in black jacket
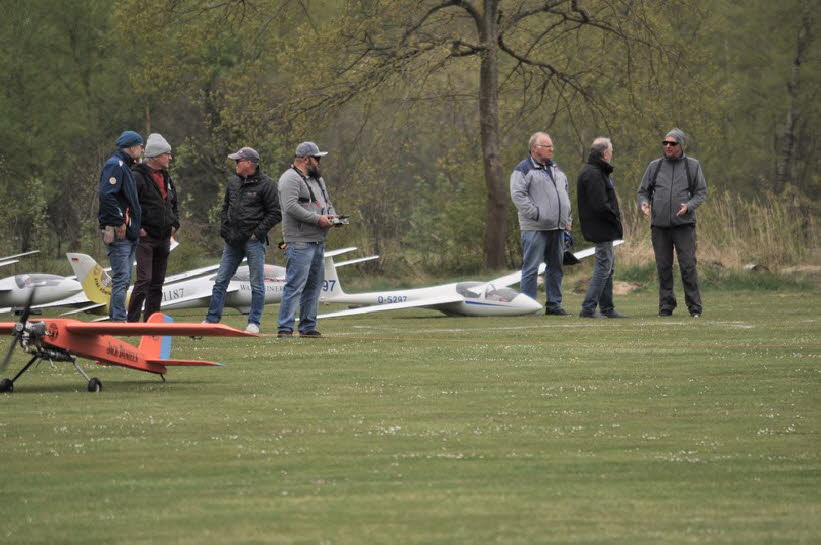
[
  {"x": 250, "y": 209},
  {"x": 158, "y": 200},
  {"x": 601, "y": 223}
]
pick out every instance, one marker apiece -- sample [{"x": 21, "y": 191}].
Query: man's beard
[{"x": 314, "y": 171}]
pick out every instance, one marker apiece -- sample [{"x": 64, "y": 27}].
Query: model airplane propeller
[{"x": 66, "y": 340}]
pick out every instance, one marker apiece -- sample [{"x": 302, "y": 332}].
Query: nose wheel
[{"x": 94, "y": 385}]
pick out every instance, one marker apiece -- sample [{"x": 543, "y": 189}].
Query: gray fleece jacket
[
  {"x": 672, "y": 189},
  {"x": 540, "y": 195},
  {"x": 302, "y": 200}
]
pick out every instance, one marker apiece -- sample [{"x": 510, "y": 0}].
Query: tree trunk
[
  {"x": 785, "y": 168},
  {"x": 496, "y": 224}
]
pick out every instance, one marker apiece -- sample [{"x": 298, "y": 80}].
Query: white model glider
[
  {"x": 493, "y": 298},
  {"x": 191, "y": 289},
  {"x": 15, "y": 290},
  {"x": 10, "y": 259}
]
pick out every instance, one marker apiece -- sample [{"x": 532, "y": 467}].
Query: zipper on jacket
[
  {"x": 558, "y": 199},
  {"x": 672, "y": 182}
]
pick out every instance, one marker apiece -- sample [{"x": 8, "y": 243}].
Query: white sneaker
[{"x": 252, "y": 328}]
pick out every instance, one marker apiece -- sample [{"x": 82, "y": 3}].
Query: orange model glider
[{"x": 66, "y": 340}]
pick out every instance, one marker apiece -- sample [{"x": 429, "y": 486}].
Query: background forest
[{"x": 425, "y": 106}]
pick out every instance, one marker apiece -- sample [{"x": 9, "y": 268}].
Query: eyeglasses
[
  {"x": 668, "y": 143},
  {"x": 543, "y": 146},
  {"x": 316, "y": 158}
]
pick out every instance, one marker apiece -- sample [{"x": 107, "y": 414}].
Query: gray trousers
[{"x": 683, "y": 240}]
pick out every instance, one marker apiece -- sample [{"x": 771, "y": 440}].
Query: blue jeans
[
  {"x": 543, "y": 247},
  {"x": 232, "y": 256},
  {"x": 121, "y": 258},
  {"x": 304, "y": 274},
  {"x": 600, "y": 291}
]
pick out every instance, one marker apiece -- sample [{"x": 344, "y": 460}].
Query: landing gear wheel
[
  {"x": 94, "y": 385},
  {"x": 6, "y": 385}
]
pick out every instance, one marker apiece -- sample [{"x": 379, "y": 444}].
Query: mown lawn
[{"x": 411, "y": 427}]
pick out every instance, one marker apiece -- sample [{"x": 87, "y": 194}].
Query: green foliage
[{"x": 402, "y": 122}]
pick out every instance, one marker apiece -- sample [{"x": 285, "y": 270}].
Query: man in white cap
[
  {"x": 250, "y": 209},
  {"x": 160, "y": 221},
  {"x": 670, "y": 191},
  {"x": 307, "y": 214}
]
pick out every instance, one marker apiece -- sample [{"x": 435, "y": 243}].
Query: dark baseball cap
[{"x": 245, "y": 154}]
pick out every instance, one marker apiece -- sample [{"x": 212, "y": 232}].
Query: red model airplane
[{"x": 65, "y": 340}]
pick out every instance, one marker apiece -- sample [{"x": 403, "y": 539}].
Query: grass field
[{"x": 411, "y": 427}]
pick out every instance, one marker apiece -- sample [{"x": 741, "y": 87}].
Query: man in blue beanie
[{"x": 119, "y": 218}]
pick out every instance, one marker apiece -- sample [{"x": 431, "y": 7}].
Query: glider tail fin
[
  {"x": 331, "y": 287},
  {"x": 155, "y": 347},
  {"x": 95, "y": 280}
]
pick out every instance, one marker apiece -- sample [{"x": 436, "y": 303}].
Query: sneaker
[
  {"x": 665, "y": 313},
  {"x": 695, "y": 314},
  {"x": 311, "y": 334},
  {"x": 594, "y": 315},
  {"x": 556, "y": 312},
  {"x": 284, "y": 334},
  {"x": 614, "y": 314},
  {"x": 252, "y": 328}
]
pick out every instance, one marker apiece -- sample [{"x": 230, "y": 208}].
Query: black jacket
[
  {"x": 598, "y": 205},
  {"x": 159, "y": 215},
  {"x": 251, "y": 207}
]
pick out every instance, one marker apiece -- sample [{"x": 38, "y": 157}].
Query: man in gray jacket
[
  {"x": 307, "y": 213},
  {"x": 539, "y": 190},
  {"x": 670, "y": 191}
]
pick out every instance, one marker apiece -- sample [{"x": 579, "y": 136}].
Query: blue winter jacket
[{"x": 119, "y": 202}]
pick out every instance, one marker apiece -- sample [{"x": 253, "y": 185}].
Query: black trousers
[
  {"x": 683, "y": 240},
  {"x": 152, "y": 261}
]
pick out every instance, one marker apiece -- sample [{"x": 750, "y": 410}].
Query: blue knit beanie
[{"x": 128, "y": 139}]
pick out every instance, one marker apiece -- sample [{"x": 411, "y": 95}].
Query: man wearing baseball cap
[
  {"x": 307, "y": 214},
  {"x": 250, "y": 209},
  {"x": 119, "y": 218}
]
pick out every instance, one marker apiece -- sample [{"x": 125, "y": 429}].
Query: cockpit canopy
[
  {"x": 31, "y": 280},
  {"x": 271, "y": 273},
  {"x": 486, "y": 291}
]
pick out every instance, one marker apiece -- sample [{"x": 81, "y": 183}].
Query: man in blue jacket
[
  {"x": 538, "y": 188},
  {"x": 670, "y": 191},
  {"x": 119, "y": 218},
  {"x": 601, "y": 224}
]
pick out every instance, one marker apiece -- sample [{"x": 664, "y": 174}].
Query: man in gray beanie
[
  {"x": 160, "y": 221},
  {"x": 672, "y": 188}
]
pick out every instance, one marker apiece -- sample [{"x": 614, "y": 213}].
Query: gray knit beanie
[
  {"x": 676, "y": 133},
  {"x": 156, "y": 145}
]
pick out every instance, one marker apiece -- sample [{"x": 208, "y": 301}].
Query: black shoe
[
  {"x": 556, "y": 312},
  {"x": 595, "y": 315},
  {"x": 665, "y": 313},
  {"x": 284, "y": 334},
  {"x": 614, "y": 314},
  {"x": 311, "y": 334}
]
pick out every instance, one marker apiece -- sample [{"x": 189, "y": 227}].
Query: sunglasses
[
  {"x": 668, "y": 143},
  {"x": 316, "y": 158}
]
